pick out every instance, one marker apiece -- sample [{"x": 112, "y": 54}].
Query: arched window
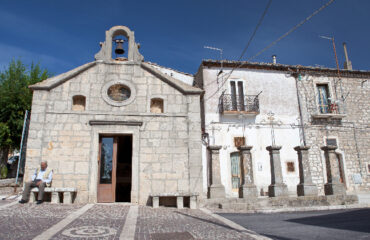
[
  {"x": 156, "y": 105},
  {"x": 79, "y": 103}
]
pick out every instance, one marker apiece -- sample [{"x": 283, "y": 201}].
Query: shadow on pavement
[{"x": 358, "y": 220}]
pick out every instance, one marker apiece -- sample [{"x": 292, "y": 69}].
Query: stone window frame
[
  {"x": 331, "y": 92},
  {"x": 165, "y": 101},
  {"x": 128, "y": 84},
  {"x": 72, "y": 102}
]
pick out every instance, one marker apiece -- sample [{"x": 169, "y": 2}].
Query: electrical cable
[
  {"x": 247, "y": 46},
  {"x": 276, "y": 41},
  {"x": 292, "y": 29}
]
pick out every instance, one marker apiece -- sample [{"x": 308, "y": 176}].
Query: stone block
[
  {"x": 82, "y": 167},
  {"x": 180, "y": 202},
  {"x": 334, "y": 189},
  {"x": 55, "y": 197},
  {"x": 216, "y": 191},
  {"x": 277, "y": 190},
  {"x": 248, "y": 191},
  {"x": 171, "y": 186},
  {"x": 155, "y": 201},
  {"x": 307, "y": 190},
  {"x": 193, "y": 202},
  {"x": 67, "y": 197}
]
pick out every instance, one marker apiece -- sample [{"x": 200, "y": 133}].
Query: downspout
[{"x": 296, "y": 75}]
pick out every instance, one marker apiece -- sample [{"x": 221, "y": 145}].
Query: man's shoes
[
  {"x": 39, "y": 201},
  {"x": 22, "y": 201}
]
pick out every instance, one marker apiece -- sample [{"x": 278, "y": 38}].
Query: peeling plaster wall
[{"x": 278, "y": 96}]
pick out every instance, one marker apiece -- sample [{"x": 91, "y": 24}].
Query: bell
[{"x": 119, "y": 47}]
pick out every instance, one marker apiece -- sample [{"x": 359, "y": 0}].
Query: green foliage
[
  {"x": 3, "y": 171},
  {"x": 15, "y": 99}
]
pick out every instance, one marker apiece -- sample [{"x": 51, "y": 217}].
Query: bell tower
[{"x": 105, "y": 53}]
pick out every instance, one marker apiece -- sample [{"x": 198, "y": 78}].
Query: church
[{"x": 118, "y": 129}]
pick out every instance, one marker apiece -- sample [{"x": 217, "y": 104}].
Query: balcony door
[{"x": 237, "y": 95}]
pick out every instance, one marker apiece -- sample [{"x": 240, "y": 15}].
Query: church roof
[{"x": 53, "y": 82}]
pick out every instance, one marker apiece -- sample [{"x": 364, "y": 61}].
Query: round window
[{"x": 119, "y": 92}]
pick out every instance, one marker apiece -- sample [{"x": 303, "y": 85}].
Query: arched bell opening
[
  {"x": 110, "y": 49},
  {"x": 120, "y": 47}
]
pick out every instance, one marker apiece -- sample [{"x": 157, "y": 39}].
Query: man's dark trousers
[{"x": 27, "y": 189}]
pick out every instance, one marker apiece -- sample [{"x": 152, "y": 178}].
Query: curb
[
  {"x": 235, "y": 226},
  {"x": 300, "y": 209}
]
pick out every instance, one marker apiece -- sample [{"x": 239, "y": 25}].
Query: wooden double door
[{"x": 115, "y": 161}]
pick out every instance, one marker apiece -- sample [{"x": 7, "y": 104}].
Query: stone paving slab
[
  {"x": 100, "y": 222},
  {"x": 107, "y": 221},
  {"x": 25, "y": 221},
  {"x": 165, "y": 223}
]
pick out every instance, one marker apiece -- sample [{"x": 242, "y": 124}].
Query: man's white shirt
[{"x": 40, "y": 175}]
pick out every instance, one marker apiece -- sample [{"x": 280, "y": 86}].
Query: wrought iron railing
[
  {"x": 238, "y": 103},
  {"x": 331, "y": 108}
]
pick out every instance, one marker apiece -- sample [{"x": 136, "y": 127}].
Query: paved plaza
[{"x": 112, "y": 221}]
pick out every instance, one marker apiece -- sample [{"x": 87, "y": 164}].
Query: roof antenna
[{"x": 220, "y": 50}]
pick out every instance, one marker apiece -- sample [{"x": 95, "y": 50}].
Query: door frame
[{"x": 96, "y": 131}]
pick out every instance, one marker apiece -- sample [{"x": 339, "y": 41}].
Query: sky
[{"x": 62, "y": 35}]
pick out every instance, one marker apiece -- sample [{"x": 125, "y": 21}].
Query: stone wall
[
  {"x": 168, "y": 145},
  {"x": 350, "y": 130}
]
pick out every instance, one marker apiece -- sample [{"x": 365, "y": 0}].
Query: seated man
[{"x": 41, "y": 178}]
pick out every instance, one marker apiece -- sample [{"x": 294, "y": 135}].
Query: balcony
[
  {"x": 330, "y": 110},
  {"x": 237, "y": 104}
]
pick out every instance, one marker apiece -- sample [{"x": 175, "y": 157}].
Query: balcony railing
[
  {"x": 247, "y": 104},
  {"x": 330, "y": 110}
]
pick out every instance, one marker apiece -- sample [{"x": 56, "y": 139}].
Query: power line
[
  {"x": 292, "y": 29},
  {"x": 247, "y": 46},
  {"x": 276, "y": 41}
]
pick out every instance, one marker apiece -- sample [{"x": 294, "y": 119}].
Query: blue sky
[{"x": 62, "y": 35}]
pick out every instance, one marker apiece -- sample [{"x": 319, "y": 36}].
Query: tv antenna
[{"x": 221, "y": 51}]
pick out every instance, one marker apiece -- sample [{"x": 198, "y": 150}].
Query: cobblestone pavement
[
  {"x": 25, "y": 221},
  {"x": 107, "y": 221},
  {"x": 101, "y": 221}
]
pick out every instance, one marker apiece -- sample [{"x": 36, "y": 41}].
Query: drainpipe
[{"x": 296, "y": 75}]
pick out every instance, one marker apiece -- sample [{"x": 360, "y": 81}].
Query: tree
[{"x": 15, "y": 99}]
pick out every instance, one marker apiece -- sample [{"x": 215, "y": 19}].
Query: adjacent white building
[{"x": 249, "y": 106}]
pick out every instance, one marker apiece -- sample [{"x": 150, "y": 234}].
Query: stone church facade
[{"x": 117, "y": 129}]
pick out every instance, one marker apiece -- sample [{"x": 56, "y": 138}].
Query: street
[{"x": 333, "y": 224}]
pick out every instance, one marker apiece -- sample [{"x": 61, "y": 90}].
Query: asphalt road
[{"x": 333, "y": 224}]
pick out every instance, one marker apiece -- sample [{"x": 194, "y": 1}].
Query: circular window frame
[{"x": 129, "y": 85}]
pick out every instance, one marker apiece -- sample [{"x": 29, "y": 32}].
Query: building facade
[
  {"x": 263, "y": 104},
  {"x": 118, "y": 129}
]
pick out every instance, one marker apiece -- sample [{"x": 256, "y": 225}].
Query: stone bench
[
  {"x": 67, "y": 194},
  {"x": 179, "y": 199}
]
